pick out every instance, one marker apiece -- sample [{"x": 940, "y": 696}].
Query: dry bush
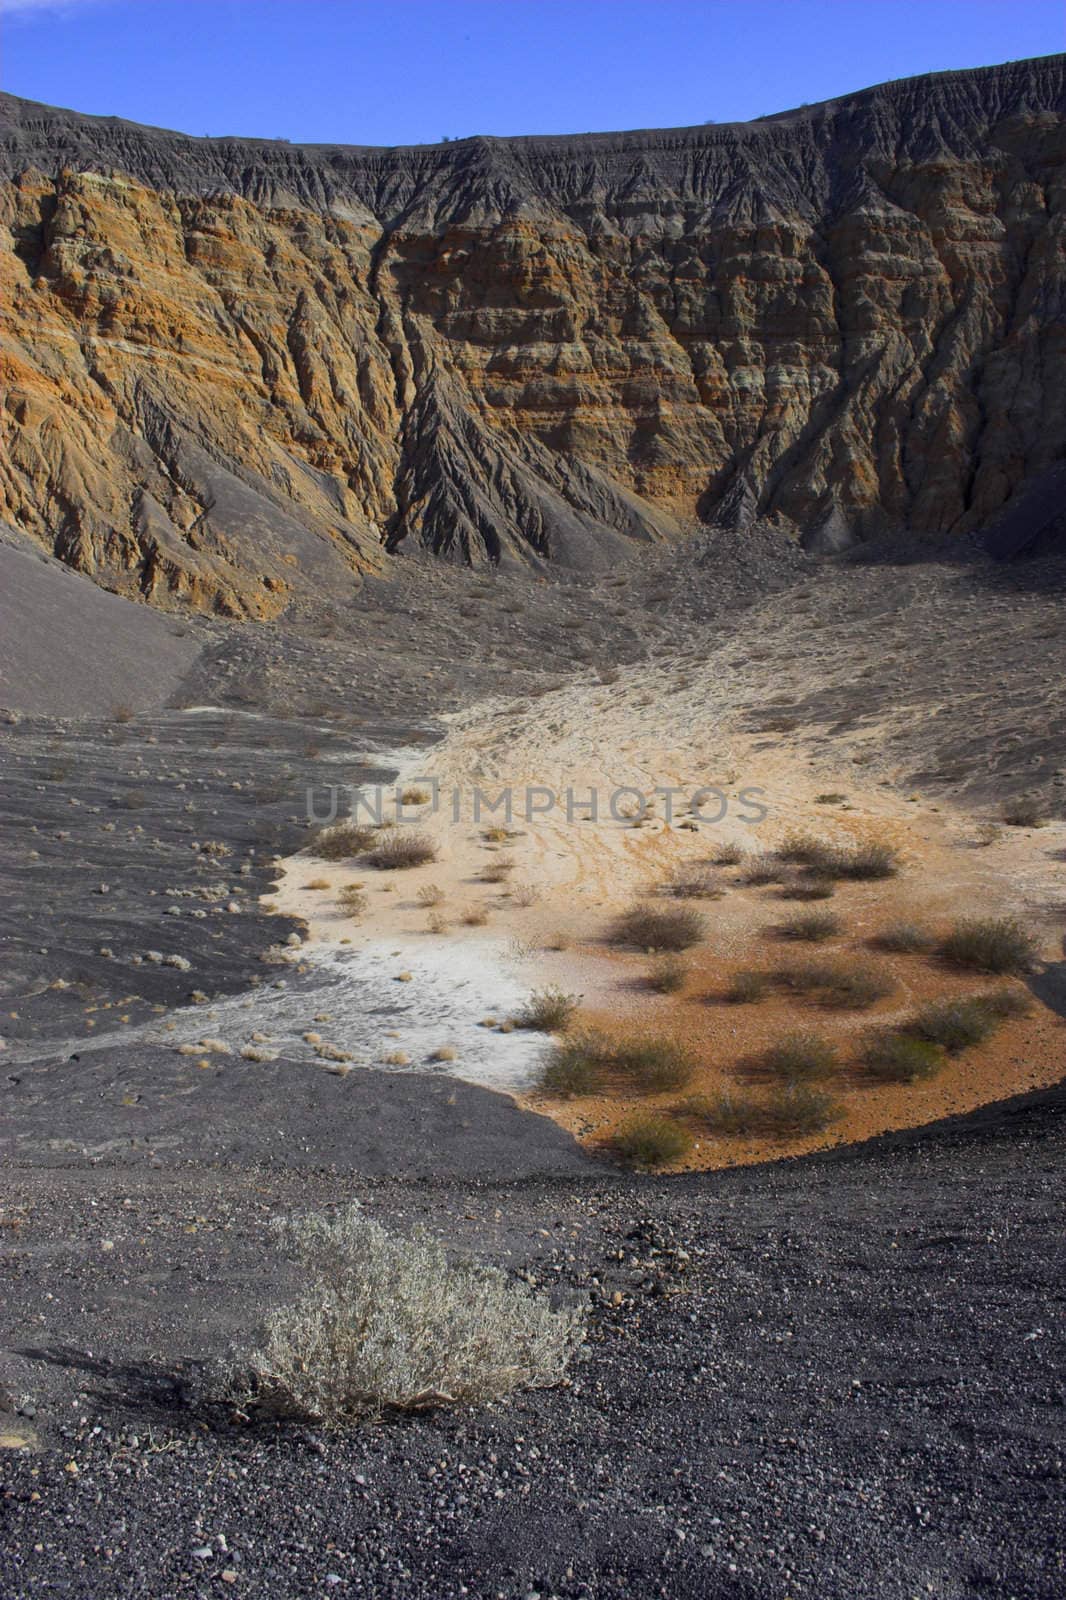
[
  {"x": 893, "y": 1057},
  {"x": 989, "y": 944},
  {"x": 729, "y": 855},
  {"x": 652, "y": 927},
  {"x": 496, "y": 835},
  {"x": 863, "y": 862},
  {"x": 694, "y": 882},
  {"x": 414, "y": 797},
  {"x": 653, "y": 1065},
  {"x": 667, "y": 974},
  {"x": 548, "y": 1010},
  {"x": 430, "y": 894},
  {"x": 317, "y": 883},
  {"x": 953, "y": 1024},
  {"x": 798, "y": 1108},
  {"x": 813, "y": 927},
  {"x": 730, "y": 1111},
  {"x": 475, "y": 917},
  {"x": 575, "y": 1067},
  {"x": 437, "y": 923},
  {"x": 800, "y": 1057},
  {"x": 838, "y": 983},
  {"x": 807, "y": 887},
  {"x": 748, "y": 987},
  {"x": 802, "y": 849},
  {"x": 525, "y": 895},
  {"x": 1003, "y": 1004},
  {"x": 650, "y": 1142},
  {"x": 1025, "y": 813},
  {"x": 342, "y": 840},
  {"x": 833, "y": 799},
  {"x": 498, "y": 871},
  {"x": 761, "y": 869},
  {"x": 904, "y": 938},
  {"x": 400, "y": 848},
  {"x": 390, "y": 1324},
  {"x": 352, "y": 900}
]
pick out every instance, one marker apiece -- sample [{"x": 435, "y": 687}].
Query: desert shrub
[
  {"x": 953, "y": 1024},
  {"x": 1025, "y": 813},
  {"x": 414, "y": 797},
  {"x": 575, "y": 1067},
  {"x": 317, "y": 883},
  {"x": 862, "y": 862},
  {"x": 746, "y": 988},
  {"x": 730, "y": 1111},
  {"x": 811, "y": 926},
  {"x": 653, "y": 1065},
  {"x": 802, "y": 849},
  {"x": 694, "y": 883},
  {"x": 389, "y": 1323},
  {"x": 667, "y": 974},
  {"x": 800, "y": 1056},
  {"x": 761, "y": 869},
  {"x": 437, "y": 922},
  {"x": 525, "y": 895},
  {"x": 475, "y": 917},
  {"x": 341, "y": 840},
  {"x": 495, "y": 835},
  {"x": 548, "y": 1010},
  {"x": 659, "y": 927},
  {"x": 401, "y": 848},
  {"x": 839, "y": 983},
  {"x": 648, "y": 1142},
  {"x": 352, "y": 900},
  {"x": 729, "y": 855},
  {"x": 809, "y": 888},
  {"x": 430, "y": 894},
  {"x": 989, "y": 944},
  {"x": 831, "y": 799},
  {"x": 903, "y": 938},
  {"x": 1002, "y": 1004},
  {"x": 497, "y": 871},
  {"x": 798, "y": 1108},
  {"x": 893, "y": 1057}
]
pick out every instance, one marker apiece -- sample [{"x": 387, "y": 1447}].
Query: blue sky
[{"x": 413, "y": 71}]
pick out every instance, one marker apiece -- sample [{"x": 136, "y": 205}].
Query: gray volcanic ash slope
[{"x": 240, "y": 370}]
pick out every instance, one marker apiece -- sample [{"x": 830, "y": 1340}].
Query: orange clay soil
[{"x": 723, "y": 1037}]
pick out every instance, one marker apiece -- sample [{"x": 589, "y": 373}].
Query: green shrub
[
  {"x": 811, "y": 926},
  {"x": 797, "y": 1108},
  {"x": 548, "y": 1010},
  {"x": 893, "y": 1057},
  {"x": 342, "y": 840},
  {"x": 730, "y": 1111},
  {"x": 904, "y": 938},
  {"x": 648, "y": 1142},
  {"x": 748, "y": 987},
  {"x": 1004, "y": 1004},
  {"x": 989, "y": 944},
  {"x": 953, "y": 1024},
  {"x": 389, "y": 1323},
  {"x": 576, "y": 1067},
  {"x": 399, "y": 848},
  {"x": 667, "y": 974},
  {"x": 849, "y": 987},
  {"x": 653, "y": 1065},
  {"x": 651, "y": 927},
  {"x": 800, "y": 1056}
]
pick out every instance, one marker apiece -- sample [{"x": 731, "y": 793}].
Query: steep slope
[{"x": 237, "y": 370}]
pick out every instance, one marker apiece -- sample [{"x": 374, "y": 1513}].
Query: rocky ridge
[{"x": 241, "y": 372}]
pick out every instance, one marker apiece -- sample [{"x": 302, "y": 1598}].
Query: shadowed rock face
[{"x": 240, "y": 370}]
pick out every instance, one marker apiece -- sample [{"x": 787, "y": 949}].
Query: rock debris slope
[{"x": 239, "y": 371}]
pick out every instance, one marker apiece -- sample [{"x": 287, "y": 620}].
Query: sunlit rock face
[{"x": 238, "y": 371}]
